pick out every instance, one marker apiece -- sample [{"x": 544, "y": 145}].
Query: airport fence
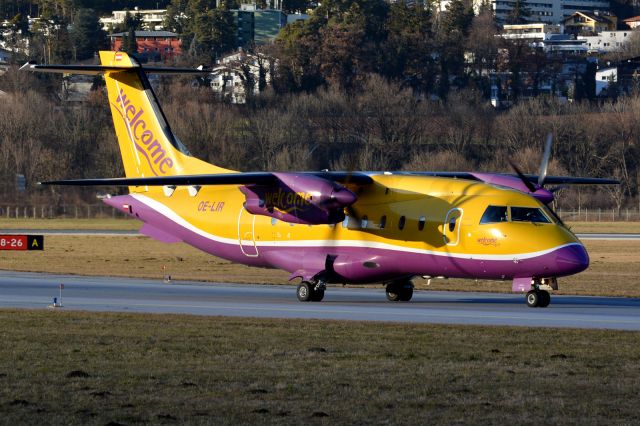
[
  {"x": 63, "y": 211},
  {"x": 94, "y": 211}
]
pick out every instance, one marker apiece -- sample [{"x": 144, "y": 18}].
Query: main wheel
[
  {"x": 406, "y": 293},
  {"x": 304, "y": 292},
  {"x": 533, "y": 299},
  {"x": 393, "y": 293},
  {"x": 545, "y": 299}
]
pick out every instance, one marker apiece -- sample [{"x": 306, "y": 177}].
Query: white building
[
  {"x": 604, "y": 77},
  {"x": 532, "y": 32},
  {"x": 152, "y": 19},
  {"x": 547, "y": 11},
  {"x": 607, "y": 41},
  {"x": 227, "y": 79}
]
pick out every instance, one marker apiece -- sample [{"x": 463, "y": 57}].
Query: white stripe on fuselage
[{"x": 179, "y": 220}]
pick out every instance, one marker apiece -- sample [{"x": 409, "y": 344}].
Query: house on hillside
[
  {"x": 228, "y": 78},
  {"x": 608, "y": 41},
  {"x": 154, "y": 46},
  {"x": 632, "y": 22},
  {"x": 589, "y": 23},
  {"x": 152, "y": 19}
]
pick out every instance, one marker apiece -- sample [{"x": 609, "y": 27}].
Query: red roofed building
[
  {"x": 154, "y": 46},
  {"x": 632, "y": 22}
]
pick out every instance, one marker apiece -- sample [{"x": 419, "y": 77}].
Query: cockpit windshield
[
  {"x": 496, "y": 214},
  {"x": 528, "y": 214}
]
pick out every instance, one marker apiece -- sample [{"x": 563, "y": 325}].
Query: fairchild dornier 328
[{"x": 333, "y": 227}]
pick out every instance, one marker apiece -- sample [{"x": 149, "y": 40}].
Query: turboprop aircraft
[{"x": 333, "y": 227}]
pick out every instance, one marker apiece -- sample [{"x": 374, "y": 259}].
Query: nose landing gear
[
  {"x": 538, "y": 299},
  {"x": 311, "y": 291},
  {"x": 539, "y": 296}
]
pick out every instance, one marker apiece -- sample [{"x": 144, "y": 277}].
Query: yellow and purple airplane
[{"x": 333, "y": 227}]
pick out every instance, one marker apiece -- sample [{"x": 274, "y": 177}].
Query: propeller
[
  {"x": 531, "y": 187},
  {"x": 545, "y": 195},
  {"x": 544, "y": 165}
]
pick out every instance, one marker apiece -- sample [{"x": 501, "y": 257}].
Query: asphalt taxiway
[{"x": 37, "y": 290}]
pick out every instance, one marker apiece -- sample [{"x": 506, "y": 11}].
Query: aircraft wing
[
  {"x": 554, "y": 180},
  {"x": 250, "y": 178}
]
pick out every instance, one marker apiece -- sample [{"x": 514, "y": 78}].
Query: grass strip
[{"x": 97, "y": 368}]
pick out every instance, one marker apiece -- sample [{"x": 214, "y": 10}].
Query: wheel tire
[
  {"x": 317, "y": 295},
  {"x": 304, "y": 291},
  {"x": 545, "y": 299},
  {"x": 533, "y": 299},
  {"x": 406, "y": 293},
  {"x": 393, "y": 293}
]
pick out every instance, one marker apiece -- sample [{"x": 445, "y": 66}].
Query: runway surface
[
  {"x": 36, "y": 291},
  {"x": 130, "y": 233}
]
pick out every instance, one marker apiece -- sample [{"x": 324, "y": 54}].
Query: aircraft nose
[{"x": 571, "y": 259}]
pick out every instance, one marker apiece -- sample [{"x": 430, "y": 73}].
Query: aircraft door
[
  {"x": 246, "y": 233},
  {"x": 451, "y": 227}
]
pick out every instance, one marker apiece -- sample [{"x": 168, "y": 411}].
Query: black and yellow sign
[{"x": 21, "y": 242}]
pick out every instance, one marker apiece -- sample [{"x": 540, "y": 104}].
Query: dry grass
[
  {"x": 605, "y": 227},
  {"x": 95, "y": 368},
  {"x": 107, "y": 224}
]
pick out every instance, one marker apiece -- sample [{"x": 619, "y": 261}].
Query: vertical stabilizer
[{"x": 147, "y": 145}]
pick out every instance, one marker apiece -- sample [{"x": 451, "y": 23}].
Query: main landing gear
[
  {"x": 400, "y": 291},
  {"x": 311, "y": 291}
]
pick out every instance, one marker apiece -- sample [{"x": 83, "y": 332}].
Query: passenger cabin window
[
  {"x": 345, "y": 222},
  {"x": 401, "y": 223},
  {"x": 364, "y": 222},
  {"x": 452, "y": 224},
  {"x": 383, "y": 222},
  {"x": 528, "y": 214},
  {"x": 494, "y": 214},
  {"x": 421, "y": 223}
]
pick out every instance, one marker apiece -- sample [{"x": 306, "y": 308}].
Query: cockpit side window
[
  {"x": 528, "y": 214},
  {"x": 494, "y": 214}
]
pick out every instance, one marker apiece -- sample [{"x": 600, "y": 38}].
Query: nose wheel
[{"x": 538, "y": 299}]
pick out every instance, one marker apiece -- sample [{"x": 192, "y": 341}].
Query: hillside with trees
[{"x": 361, "y": 85}]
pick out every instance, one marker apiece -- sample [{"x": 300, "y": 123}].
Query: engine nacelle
[
  {"x": 298, "y": 198},
  {"x": 542, "y": 194}
]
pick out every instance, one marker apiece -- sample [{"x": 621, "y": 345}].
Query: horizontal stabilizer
[{"x": 101, "y": 69}]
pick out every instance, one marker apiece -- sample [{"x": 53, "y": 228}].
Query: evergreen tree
[
  {"x": 88, "y": 36},
  {"x": 129, "y": 43}
]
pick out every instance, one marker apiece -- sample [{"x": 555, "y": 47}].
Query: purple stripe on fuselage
[{"x": 381, "y": 264}]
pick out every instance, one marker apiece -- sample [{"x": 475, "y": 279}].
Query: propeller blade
[
  {"x": 544, "y": 165},
  {"x": 530, "y": 186}
]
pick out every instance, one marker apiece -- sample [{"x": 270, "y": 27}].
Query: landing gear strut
[
  {"x": 400, "y": 291},
  {"x": 311, "y": 291}
]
